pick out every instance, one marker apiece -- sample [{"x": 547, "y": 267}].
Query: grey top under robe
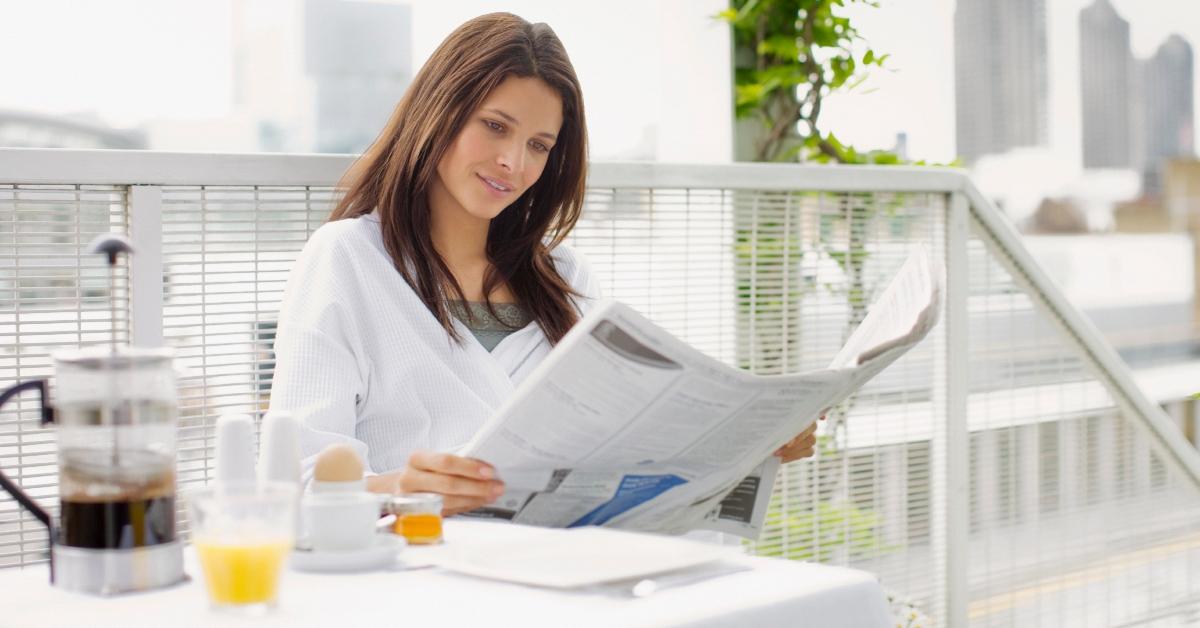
[{"x": 487, "y": 329}]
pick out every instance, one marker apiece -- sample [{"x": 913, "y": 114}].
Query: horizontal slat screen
[
  {"x": 52, "y": 296},
  {"x": 1073, "y": 519},
  {"x": 786, "y": 277},
  {"x": 226, "y": 256}
]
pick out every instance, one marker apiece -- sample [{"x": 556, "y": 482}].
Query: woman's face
[{"x": 501, "y": 151}]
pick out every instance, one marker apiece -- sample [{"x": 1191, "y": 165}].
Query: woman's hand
[
  {"x": 803, "y": 446},
  {"x": 464, "y": 483}
]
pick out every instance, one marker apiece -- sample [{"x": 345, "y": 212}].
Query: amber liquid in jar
[{"x": 419, "y": 528}]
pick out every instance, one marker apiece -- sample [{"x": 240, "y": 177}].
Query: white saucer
[{"x": 381, "y": 554}]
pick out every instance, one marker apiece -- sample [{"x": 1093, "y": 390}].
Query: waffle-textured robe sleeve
[
  {"x": 320, "y": 372},
  {"x": 360, "y": 360}
]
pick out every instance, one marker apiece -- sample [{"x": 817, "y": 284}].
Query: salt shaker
[
  {"x": 279, "y": 454},
  {"x": 235, "y": 449}
]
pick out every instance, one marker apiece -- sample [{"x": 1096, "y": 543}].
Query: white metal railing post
[
  {"x": 145, "y": 266},
  {"x": 951, "y": 444}
]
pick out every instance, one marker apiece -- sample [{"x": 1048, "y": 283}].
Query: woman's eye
[
  {"x": 540, "y": 147},
  {"x": 495, "y": 126}
]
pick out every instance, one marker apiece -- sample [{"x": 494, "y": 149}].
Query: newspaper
[{"x": 625, "y": 425}]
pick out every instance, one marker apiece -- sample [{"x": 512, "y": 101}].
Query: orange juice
[
  {"x": 419, "y": 528},
  {"x": 242, "y": 573}
]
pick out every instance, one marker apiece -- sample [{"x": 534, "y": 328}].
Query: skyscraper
[
  {"x": 359, "y": 57},
  {"x": 1000, "y": 75},
  {"x": 319, "y": 75},
  {"x": 1106, "y": 83},
  {"x": 1167, "y": 127}
]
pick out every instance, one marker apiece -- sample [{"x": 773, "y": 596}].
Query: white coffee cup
[{"x": 341, "y": 521}]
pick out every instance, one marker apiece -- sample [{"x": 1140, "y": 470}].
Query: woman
[{"x": 440, "y": 280}]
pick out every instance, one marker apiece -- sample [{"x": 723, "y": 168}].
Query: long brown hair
[{"x": 394, "y": 175}]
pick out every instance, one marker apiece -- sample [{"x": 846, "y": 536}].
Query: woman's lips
[{"x": 498, "y": 193}]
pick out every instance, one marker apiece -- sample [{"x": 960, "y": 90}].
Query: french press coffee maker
[{"x": 115, "y": 412}]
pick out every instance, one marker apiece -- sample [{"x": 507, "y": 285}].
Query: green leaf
[
  {"x": 747, "y": 10},
  {"x": 750, "y": 94},
  {"x": 788, "y": 75},
  {"x": 782, "y": 47}
]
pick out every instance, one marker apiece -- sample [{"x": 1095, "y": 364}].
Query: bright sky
[
  {"x": 916, "y": 94},
  {"x": 125, "y": 60},
  {"x": 132, "y": 60}
]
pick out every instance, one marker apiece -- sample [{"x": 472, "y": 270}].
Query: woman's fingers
[
  {"x": 420, "y": 481},
  {"x": 385, "y": 482},
  {"x": 809, "y": 434},
  {"x": 451, "y": 465},
  {"x": 464, "y": 483},
  {"x": 802, "y": 446}
]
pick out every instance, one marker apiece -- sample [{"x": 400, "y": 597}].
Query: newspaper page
[{"x": 625, "y": 425}]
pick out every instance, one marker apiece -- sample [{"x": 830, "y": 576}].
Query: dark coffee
[
  {"x": 116, "y": 502},
  {"x": 119, "y": 524}
]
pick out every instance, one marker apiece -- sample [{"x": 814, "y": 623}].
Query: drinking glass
[{"x": 243, "y": 533}]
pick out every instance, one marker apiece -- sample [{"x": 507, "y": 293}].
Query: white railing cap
[
  {"x": 138, "y": 167},
  {"x": 143, "y": 167}
]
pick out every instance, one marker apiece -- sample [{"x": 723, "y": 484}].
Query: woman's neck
[
  {"x": 459, "y": 237},
  {"x": 461, "y": 240}
]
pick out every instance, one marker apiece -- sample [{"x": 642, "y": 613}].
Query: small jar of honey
[{"x": 418, "y": 517}]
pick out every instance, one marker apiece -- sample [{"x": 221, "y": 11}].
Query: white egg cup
[
  {"x": 351, "y": 486},
  {"x": 341, "y": 521}
]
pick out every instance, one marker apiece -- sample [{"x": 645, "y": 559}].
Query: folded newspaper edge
[{"x": 625, "y": 425}]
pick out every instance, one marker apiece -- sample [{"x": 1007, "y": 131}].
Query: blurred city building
[
  {"x": 1057, "y": 216},
  {"x": 1141, "y": 215},
  {"x": 26, "y": 129},
  {"x": 1136, "y": 113},
  {"x": 1000, "y": 73},
  {"x": 321, "y": 79},
  {"x": 1167, "y": 124},
  {"x": 1181, "y": 200},
  {"x": 1106, "y": 81},
  {"x": 271, "y": 95},
  {"x": 358, "y": 56}
]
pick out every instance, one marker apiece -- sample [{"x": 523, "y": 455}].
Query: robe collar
[{"x": 499, "y": 365}]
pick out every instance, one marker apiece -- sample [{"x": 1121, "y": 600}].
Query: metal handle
[
  {"x": 11, "y": 487},
  {"x": 40, "y": 386}
]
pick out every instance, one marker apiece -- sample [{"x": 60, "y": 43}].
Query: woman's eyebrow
[{"x": 513, "y": 121}]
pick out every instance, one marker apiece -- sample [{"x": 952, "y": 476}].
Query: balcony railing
[{"x": 1006, "y": 472}]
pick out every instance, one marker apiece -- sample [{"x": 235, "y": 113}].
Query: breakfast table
[{"x": 738, "y": 590}]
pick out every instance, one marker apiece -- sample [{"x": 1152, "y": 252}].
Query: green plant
[
  {"x": 789, "y": 55},
  {"x": 824, "y": 532}
]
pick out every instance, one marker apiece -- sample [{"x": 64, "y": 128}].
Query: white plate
[
  {"x": 573, "y": 558},
  {"x": 382, "y": 554}
]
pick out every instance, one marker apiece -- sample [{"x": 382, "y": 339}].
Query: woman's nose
[{"x": 511, "y": 157}]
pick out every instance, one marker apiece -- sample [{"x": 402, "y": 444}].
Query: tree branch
[{"x": 790, "y": 116}]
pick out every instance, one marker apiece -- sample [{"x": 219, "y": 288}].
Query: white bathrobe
[{"x": 361, "y": 360}]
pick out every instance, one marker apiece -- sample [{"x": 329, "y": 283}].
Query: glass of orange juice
[
  {"x": 418, "y": 517},
  {"x": 243, "y": 533}
]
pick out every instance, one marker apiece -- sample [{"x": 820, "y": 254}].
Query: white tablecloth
[{"x": 770, "y": 593}]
